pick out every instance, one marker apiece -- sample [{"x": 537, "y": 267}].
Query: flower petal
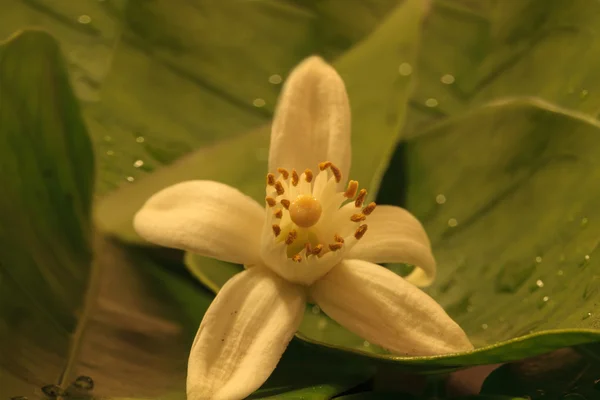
[
  {"x": 205, "y": 217},
  {"x": 312, "y": 120},
  {"x": 384, "y": 309},
  {"x": 395, "y": 235},
  {"x": 243, "y": 335}
]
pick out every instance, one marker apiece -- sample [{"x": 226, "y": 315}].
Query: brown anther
[
  {"x": 338, "y": 238},
  {"x": 279, "y": 188},
  {"x": 278, "y": 214},
  {"x": 317, "y": 249},
  {"x": 335, "y": 246},
  {"x": 308, "y": 175},
  {"x": 291, "y": 237},
  {"x": 360, "y": 231},
  {"x": 297, "y": 258},
  {"x": 351, "y": 190},
  {"x": 358, "y": 217},
  {"x": 276, "y": 230},
  {"x": 324, "y": 165},
  {"x": 283, "y": 172},
  {"x": 285, "y": 203},
  {"x": 295, "y": 178},
  {"x": 270, "y": 179},
  {"x": 360, "y": 199},
  {"x": 369, "y": 209},
  {"x": 336, "y": 173},
  {"x": 270, "y": 201}
]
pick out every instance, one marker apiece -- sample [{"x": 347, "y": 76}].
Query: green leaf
[{"x": 378, "y": 97}]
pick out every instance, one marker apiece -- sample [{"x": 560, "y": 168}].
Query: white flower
[{"x": 304, "y": 244}]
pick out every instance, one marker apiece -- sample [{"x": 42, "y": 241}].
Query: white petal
[
  {"x": 243, "y": 335},
  {"x": 384, "y": 309},
  {"x": 396, "y": 236},
  {"x": 205, "y": 217},
  {"x": 312, "y": 120}
]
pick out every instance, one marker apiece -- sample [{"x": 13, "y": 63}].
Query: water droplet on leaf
[
  {"x": 484, "y": 326},
  {"x": 447, "y": 79},
  {"x": 584, "y": 222},
  {"x": 130, "y": 179},
  {"x": 538, "y": 259},
  {"x": 440, "y": 199},
  {"x": 539, "y": 283},
  {"x": 452, "y": 222},
  {"x": 140, "y": 139},
  {"x": 84, "y": 383},
  {"x": 405, "y": 69},
  {"x": 586, "y": 316},
  {"x": 275, "y": 79},
  {"x": 84, "y": 19},
  {"x": 138, "y": 163},
  {"x": 258, "y": 102},
  {"x": 53, "y": 391},
  {"x": 315, "y": 309},
  {"x": 431, "y": 102}
]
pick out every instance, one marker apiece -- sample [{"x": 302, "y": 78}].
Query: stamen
[
  {"x": 338, "y": 238},
  {"x": 279, "y": 188},
  {"x": 369, "y": 209},
  {"x": 360, "y": 231},
  {"x": 285, "y": 203},
  {"x": 324, "y": 165},
  {"x": 317, "y": 249},
  {"x": 358, "y": 217},
  {"x": 297, "y": 258},
  {"x": 270, "y": 179},
  {"x": 270, "y": 201},
  {"x": 308, "y": 248},
  {"x": 295, "y": 177},
  {"x": 278, "y": 214},
  {"x": 335, "y": 246},
  {"x": 283, "y": 172},
  {"x": 308, "y": 175},
  {"x": 360, "y": 199},
  {"x": 335, "y": 170},
  {"x": 276, "y": 230},
  {"x": 291, "y": 237},
  {"x": 352, "y": 189}
]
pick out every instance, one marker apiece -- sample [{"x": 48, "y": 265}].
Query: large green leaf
[
  {"x": 514, "y": 235},
  {"x": 378, "y": 96}
]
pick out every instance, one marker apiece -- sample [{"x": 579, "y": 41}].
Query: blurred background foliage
[{"x": 479, "y": 116}]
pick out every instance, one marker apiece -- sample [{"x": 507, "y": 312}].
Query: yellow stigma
[{"x": 305, "y": 211}]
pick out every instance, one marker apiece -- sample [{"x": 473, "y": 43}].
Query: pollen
[
  {"x": 358, "y": 217},
  {"x": 308, "y": 175},
  {"x": 295, "y": 178},
  {"x": 338, "y": 238},
  {"x": 297, "y": 258},
  {"x": 369, "y": 209},
  {"x": 305, "y": 211},
  {"x": 278, "y": 214},
  {"x": 318, "y": 248},
  {"x": 285, "y": 203},
  {"x": 270, "y": 179},
  {"x": 360, "y": 199},
  {"x": 270, "y": 201},
  {"x": 283, "y": 172},
  {"x": 276, "y": 230},
  {"x": 335, "y": 170},
  {"x": 351, "y": 190},
  {"x": 360, "y": 231},
  {"x": 291, "y": 237},
  {"x": 335, "y": 246},
  {"x": 279, "y": 188}
]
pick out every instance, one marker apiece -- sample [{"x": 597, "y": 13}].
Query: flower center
[{"x": 305, "y": 211}]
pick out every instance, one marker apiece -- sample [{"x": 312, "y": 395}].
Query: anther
[
  {"x": 335, "y": 170},
  {"x": 317, "y": 249},
  {"x": 338, "y": 238},
  {"x": 369, "y": 209},
  {"x": 270, "y": 179},
  {"x": 360, "y": 199},
  {"x": 360, "y": 231},
  {"x": 270, "y": 201},
  {"x": 278, "y": 214},
  {"x": 308, "y": 175},
  {"x": 276, "y": 230},
  {"x": 335, "y": 246},
  {"x": 324, "y": 165},
  {"x": 291, "y": 237},
  {"x": 283, "y": 172},
  {"x": 295, "y": 177},
  {"x": 279, "y": 188},
  {"x": 358, "y": 217},
  {"x": 351, "y": 190},
  {"x": 285, "y": 203},
  {"x": 297, "y": 258}
]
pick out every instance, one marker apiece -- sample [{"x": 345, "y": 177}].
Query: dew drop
[
  {"x": 405, "y": 69},
  {"x": 84, "y": 19},
  {"x": 452, "y": 222},
  {"x": 431, "y": 102},
  {"x": 53, "y": 391},
  {"x": 538, "y": 259},
  {"x": 140, "y": 139},
  {"x": 110, "y": 153},
  {"x": 138, "y": 163},
  {"x": 275, "y": 79},
  {"x": 366, "y": 344},
  {"x": 584, "y": 222},
  {"x": 484, "y": 326},
  {"x": 586, "y": 257},
  {"x": 440, "y": 199},
  {"x": 258, "y": 102},
  {"x": 470, "y": 308},
  {"x": 584, "y": 93},
  {"x": 560, "y": 272},
  {"x": 84, "y": 383},
  {"x": 545, "y": 298},
  {"x": 130, "y": 179},
  {"x": 539, "y": 283},
  {"x": 586, "y": 315},
  {"x": 447, "y": 79},
  {"x": 322, "y": 323},
  {"x": 107, "y": 138},
  {"x": 315, "y": 310}
]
